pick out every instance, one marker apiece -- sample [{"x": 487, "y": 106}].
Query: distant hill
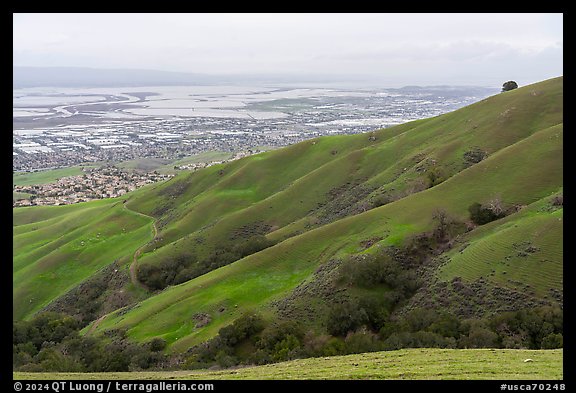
[
  {"x": 298, "y": 233},
  {"x": 101, "y": 77},
  {"x": 98, "y": 77}
]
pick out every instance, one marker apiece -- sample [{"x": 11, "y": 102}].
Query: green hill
[
  {"x": 272, "y": 233},
  {"x": 58, "y": 247},
  {"x": 524, "y": 166}
]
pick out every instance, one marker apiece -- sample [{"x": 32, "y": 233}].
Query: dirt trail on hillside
[
  {"x": 96, "y": 323},
  {"x": 133, "y": 267},
  {"x": 134, "y": 264}
]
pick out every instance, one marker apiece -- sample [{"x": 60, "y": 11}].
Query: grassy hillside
[
  {"x": 58, "y": 247},
  {"x": 525, "y": 248},
  {"x": 407, "y": 364},
  {"x": 302, "y": 186},
  {"x": 296, "y": 196},
  {"x": 263, "y": 277},
  {"x": 274, "y": 233}
]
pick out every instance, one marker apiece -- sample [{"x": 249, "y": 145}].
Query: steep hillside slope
[
  {"x": 286, "y": 192},
  {"x": 317, "y": 201},
  {"x": 58, "y": 247}
]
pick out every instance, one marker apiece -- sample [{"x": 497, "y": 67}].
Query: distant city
[{"x": 62, "y": 127}]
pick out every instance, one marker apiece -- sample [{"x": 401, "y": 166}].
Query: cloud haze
[{"x": 393, "y": 48}]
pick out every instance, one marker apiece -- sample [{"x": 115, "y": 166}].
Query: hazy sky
[{"x": 399, "y": 49}]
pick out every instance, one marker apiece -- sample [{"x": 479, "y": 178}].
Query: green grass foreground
[{"x": 420, "y": 364}]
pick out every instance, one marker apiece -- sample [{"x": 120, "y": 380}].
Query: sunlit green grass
[
  {"x": 56, "y": 249},
  {"x": 253, "y": 282}
]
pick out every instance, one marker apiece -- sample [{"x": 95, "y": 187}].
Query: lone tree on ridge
[{"x": 510, "y": 85}]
